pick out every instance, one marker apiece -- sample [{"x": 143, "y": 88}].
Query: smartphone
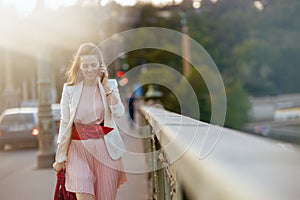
[{"x": 102, "y": 75}]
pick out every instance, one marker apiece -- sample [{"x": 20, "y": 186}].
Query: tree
[{"x": 237, "y": 106}]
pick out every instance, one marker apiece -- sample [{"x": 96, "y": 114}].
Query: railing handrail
[{"x": 240, "y": 166}]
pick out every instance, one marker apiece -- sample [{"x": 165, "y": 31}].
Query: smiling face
[{"x": 89, "y": 66}]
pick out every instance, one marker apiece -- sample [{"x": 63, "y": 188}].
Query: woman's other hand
[{"x": 58, "y": 166}]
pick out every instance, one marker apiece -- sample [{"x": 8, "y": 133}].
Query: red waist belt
[{"x": 85, "y": 132}]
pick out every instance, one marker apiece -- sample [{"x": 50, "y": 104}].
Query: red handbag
[{"x": 60, "y": 191}]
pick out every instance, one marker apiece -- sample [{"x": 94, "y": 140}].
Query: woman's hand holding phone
[{"x": 103, "y": 75}]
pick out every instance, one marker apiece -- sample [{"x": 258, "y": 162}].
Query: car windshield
[{"x": 23, "y": 118}]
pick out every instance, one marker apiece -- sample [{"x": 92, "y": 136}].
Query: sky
[
  {"x": 156, "y": 2},
  {"x": 24, "y": 7}
]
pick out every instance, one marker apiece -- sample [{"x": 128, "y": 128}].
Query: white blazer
[{"x": 69, "y": 102}]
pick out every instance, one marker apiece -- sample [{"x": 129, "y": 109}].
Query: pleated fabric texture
[{"x": 90, "y": 169}]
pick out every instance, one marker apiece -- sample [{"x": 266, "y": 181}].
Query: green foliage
[
  {"x": 258, "y": 47},
  {"x": 237, "y": 106},
  {"x": 254, "y": 65},
  {"x": 203, "y": 96},
  {"x": 237, "y": 98},
  {"x": 157, "y": 74}
]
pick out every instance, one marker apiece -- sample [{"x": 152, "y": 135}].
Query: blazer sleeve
[
  {"x": 65, "y": 112},
  {"x": 117, "y": 109}
]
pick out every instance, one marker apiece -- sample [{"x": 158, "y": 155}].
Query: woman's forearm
[{"x": 112, "y": 98}]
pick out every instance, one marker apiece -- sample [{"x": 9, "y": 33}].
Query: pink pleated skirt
[{"x": 90, "y": 169}]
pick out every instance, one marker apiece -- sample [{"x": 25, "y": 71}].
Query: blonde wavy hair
[{"x": 84, "y": 49}]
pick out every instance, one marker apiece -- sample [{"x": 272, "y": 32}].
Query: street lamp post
[
  {"x": 185, "y": 45},
  {"x": 196, "y": 4},
  {"x": 45, "y": 157},
  {"x": 46, "y": 127}
]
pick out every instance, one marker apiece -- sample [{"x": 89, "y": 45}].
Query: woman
[{"x": 90, "y": 101}]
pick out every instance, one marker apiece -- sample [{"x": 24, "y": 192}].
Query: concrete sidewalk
[
  {"x": 137, "y": 187},
  {"x": 24, "y": 181}
]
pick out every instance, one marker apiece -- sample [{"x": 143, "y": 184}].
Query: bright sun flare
[
  {"x": 25, "y": 7},
  {"x": 13, "y": 29}
]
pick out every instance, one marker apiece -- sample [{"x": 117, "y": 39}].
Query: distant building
[
  {"x": 287, "y": 114},
  {"x": 262, "y": 109},
  {"x": 275, "y": 108}
]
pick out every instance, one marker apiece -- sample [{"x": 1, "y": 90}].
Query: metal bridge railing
[{"x": 196, "y": 160}]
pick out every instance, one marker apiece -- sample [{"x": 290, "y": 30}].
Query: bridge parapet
[{"x": 206, "y": 162}]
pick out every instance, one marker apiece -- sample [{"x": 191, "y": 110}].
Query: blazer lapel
[
  {"x": 106, "y": 110},
  {"x": 76, "y": 97}
]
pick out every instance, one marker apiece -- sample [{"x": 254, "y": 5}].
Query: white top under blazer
[{"x": 69, "y": 103}]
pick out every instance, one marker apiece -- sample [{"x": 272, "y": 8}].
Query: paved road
[{"x": 19, "y": 178}]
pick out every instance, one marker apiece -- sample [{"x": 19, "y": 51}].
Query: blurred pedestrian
[
  {"x": 89, "y": 143},
  {"x": 131, "y": 110}
]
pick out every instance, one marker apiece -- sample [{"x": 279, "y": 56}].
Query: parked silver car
[{"x": 19, "y": 126}]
